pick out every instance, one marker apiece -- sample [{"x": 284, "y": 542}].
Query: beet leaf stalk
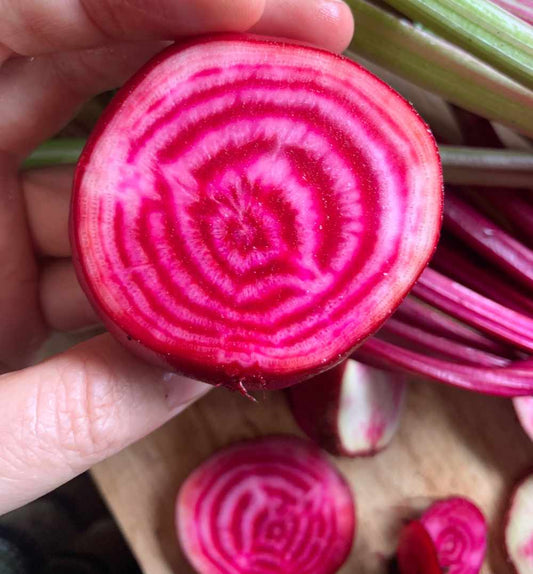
[
  {"x": 487, "y": 167},
  {"x": 482, "y": 28},
  {"x": 441, "y": 67}
]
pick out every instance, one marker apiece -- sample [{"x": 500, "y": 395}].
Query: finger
[
  {"x": 63, "y": 302},
  {"x": 40, "y": 95},
  {"x": 29, "y": 114},
  {"x": 47, "y": 195},
  {"x": 326, "y": 23},
  {"x": 32, "y": 27},
  {"x": 59, "y": 418},
  {"x": 21, "y": 326}
]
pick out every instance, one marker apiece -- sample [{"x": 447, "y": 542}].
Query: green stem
[
  {"x": 440, "y": 67},
  {"x": 62, "y": 151},
  {"x": 487, "y": 167},
  {"x": 480, "y": 27}
]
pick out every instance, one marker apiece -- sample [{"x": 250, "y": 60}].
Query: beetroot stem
[
  {"x": 474, "y": 309},
  {"x": 455, "y": 265},
  {"x": 441, "y": 345},
  {"x": 489, "y": 239},
  {"x": 513, "y": 380},
  {"x": 421, "y": 315}
]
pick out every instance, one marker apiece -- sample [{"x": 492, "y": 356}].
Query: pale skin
[{"x": 63, "y": 415}]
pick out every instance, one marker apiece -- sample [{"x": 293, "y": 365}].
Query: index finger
[{"x": 33, "y": 27}]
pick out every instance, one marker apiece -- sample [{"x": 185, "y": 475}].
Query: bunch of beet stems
[{"x": 469, "y": 319}]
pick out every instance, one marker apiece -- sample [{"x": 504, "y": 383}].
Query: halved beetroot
[
  {"x": 350, "y": 410},
  {"x": 519, "y": 527},
  {"x": 248, "y": 210},
  {"x": 270, "y": 505},
  {"x": 459, "y": 533}
]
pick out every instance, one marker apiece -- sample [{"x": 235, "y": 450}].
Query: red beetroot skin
[
  {"x": 248, "y": 210},
  {"x": 519, "y": 527},
  {"x": 416, "y": 552},
  {"x": 459, "y": 533},
  {"x": 274, "y": 504},
  {"x": 350, "y": 410}
]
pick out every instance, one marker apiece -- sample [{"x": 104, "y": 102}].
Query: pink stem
[
  {"x": 520, "y": 8},
  {"x": 510, "y": 381},
  {"x": 422, "y": 315},
  {"x": 488, "y": 239},
  {"x": 474, "y": 309},
  {"x": 456, "y": 265},
  {"x": 423, "y": 341}
]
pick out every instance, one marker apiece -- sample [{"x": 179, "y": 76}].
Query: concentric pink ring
[{"x": 249, "y": 211}]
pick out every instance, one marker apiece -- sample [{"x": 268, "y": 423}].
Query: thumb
[{"x": 62, "y": 416}]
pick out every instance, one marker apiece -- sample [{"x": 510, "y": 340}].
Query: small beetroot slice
[
  {"x": 248, "y": 211},
  {"x": 350, "y": 410},
  {"x": 459, "y": 533},
  {"x": 269, "y": 505},
  {"x": 519, "y": 527},
  {"x": 416, "y": 552},
  {"x": 524, "y": 410}
]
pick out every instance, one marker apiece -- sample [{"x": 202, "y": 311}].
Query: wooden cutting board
[{"x": 450, "y": 442}]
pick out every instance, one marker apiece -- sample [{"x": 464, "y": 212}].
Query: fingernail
[
  {"x": 182, "y": 391},
  {"x": 332, "y": 9}
]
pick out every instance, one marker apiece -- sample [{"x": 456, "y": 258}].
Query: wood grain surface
[{"x": 450, "y": 442}]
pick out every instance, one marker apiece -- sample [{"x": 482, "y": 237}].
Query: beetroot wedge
[
  {"x": 459, "y": 533},
  {"x": 350, "y": 410},
  {"x": 416, "y": 552},
  {"x": 269, "y": 505},
  {"x": 248, "y": 211},
  {"x": 519, "y": 527}
]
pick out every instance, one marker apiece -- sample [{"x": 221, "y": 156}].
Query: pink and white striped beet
[
  {"x": 519, "y": 527},
  {"x": 274, "y": 505},
  {"x": 459, "y": 532},
  {"x": 350, "y": 410},
  {"x": 248, "y": 210}
]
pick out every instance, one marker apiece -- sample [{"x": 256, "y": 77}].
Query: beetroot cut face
[
  {"x": 274, "y": 504},
  {"x": 459, "y": 533},
  {"x": 248, "y": 210},
  {"x": 519, "y": 527},
  {"x": 350, "y": 410}
]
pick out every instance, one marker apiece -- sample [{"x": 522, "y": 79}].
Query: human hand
[{"x": 73, "y": 410}]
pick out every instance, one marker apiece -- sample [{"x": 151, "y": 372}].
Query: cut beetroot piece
[
  {"x": 524, "y": 410},
  {"x": 519, "y": 527},
  {"x": 416, "y": 552},
  {"x": 350, "y": 410},
  {"x": 248, "y": 211},
  {"x": 269, "y": 505},
  {"x": 459, "y": 533}
]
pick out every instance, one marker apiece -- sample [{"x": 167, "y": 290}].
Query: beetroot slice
[
  {"x": 350, "y": 410},
  {"x": 459, "y": 533},
  {"x": 524, "y": 410},
  {"x": 248, "y": 211},
  {"x": 519, "y": 527},
  {"x": 416, "y": 552},
  {"x": 274, "y": 504}
]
